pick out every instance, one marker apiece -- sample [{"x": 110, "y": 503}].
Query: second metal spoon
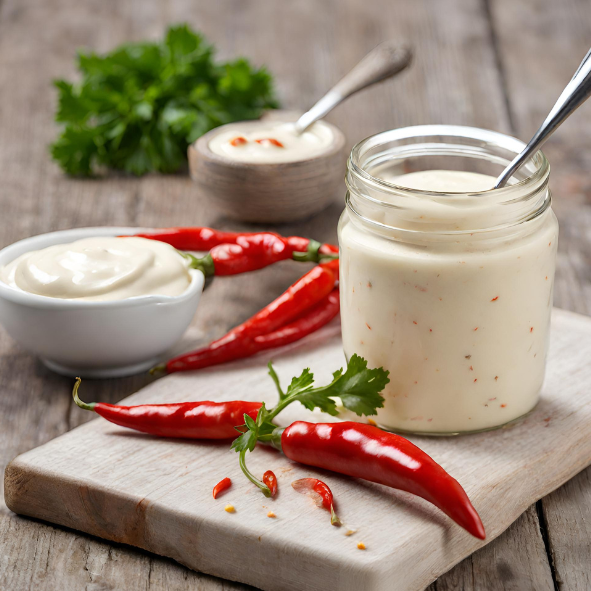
[
  {"x": 576, "y": 92},
  {"x": 382, "y": 62}
]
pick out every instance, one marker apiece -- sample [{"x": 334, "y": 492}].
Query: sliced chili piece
[
  {"x": 270, "y": 140},
  {"x": 320, "y": 493},
  {"x": 270, "y": 480},
  {"x": 238, "y": 141},
  {"x": 221, "y": 486}
]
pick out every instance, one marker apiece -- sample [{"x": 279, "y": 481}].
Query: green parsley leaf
[
  {"x": 138, "y": 107},
  {"x": 301, "y": 384},
  {"x": 247, "y": 441},
  {"x": 358, "y": 388}
]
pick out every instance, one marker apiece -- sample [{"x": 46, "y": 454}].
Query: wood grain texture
[
  {"x": 156, "y": 493},
  {"x": 455, "y": 78}
]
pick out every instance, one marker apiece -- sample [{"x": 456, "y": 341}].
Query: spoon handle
[
  {"x": 576, "y": 92},
  {"x": 382, "y": 62}
]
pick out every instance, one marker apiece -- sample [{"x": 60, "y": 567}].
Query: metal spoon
[
  {"x": 576, "y": 92},
  {"x": 382, "y": 62}
]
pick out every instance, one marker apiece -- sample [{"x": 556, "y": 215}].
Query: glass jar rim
[
  {"x": 496, "y": 138},
  {"x": 372, "y": 197}
]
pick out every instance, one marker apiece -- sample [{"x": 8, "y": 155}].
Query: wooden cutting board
[{"x": 156, "y": 493}]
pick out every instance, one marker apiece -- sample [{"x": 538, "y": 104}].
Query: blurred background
[{"x": 498, "y": 64}]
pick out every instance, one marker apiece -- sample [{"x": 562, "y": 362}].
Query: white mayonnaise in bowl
[
  {"x": 444, "y": 281},
  {"x": 94, "y": 339}
]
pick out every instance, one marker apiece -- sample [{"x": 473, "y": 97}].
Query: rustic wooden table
[{"x": 498, "y": 64}]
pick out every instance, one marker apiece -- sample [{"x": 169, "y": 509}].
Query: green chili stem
[
  {"x": 264, "y": 488},
  {"x": 80, "y": 403},
  {"x": 204, "y": 264}
]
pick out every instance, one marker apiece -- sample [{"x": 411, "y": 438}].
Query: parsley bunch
[
  {"x": 358, "y": 389},
  {"x": 138, "y": 107}
]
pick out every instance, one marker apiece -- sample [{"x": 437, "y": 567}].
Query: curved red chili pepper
[
  {"x": 221, "y": 486},
  {"x": 307, "y": 305},
  {"x": 367, "y": 452},
  {"x": 321, "y": 491},
  {"x": 186, "y": 420},
  {"x": 270, "y": 480}
]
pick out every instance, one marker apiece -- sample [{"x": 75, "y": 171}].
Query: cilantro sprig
[
  {"x": 138, "y": 107},
  {"x": 358, "y": 389}
]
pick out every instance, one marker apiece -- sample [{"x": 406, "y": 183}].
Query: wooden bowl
[{"x": 268, "y": 192}]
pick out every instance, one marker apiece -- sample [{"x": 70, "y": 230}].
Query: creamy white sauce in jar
[
  {"x": 270, "y": 141},
  {"x": 100, "y": 269},
  {"x": 455, "y": 305}
]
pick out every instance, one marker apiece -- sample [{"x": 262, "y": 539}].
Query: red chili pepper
[
  {"x": 270, "y": 480},
  {"x": 363, "y": 451},
  {"x": 306, "y": 306},
  {"x": 321, "y": 494},
  {"x": 250, "y": 253},
  {"x": 270, "y": 140},
  {"x": 238, "y": 141},
  {"x": 186, "y": 420},
  {"x": 204, "y": 239},
  {"x": 221, "y": 486},
  {"x": 197, "y": 238},
  {"x": 317, "y": 317}
]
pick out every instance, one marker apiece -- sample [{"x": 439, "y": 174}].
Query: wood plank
[
  {"x": 537, "y": 66},
  {"x": 156, "y": 493}
]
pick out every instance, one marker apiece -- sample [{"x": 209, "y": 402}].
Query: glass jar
[{"x": 451, "y": 292}]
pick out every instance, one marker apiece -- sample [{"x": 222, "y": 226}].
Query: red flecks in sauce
[
  {"x": 531, "y": 329},
  {"x": 475, "y": 379},
  {"x": 495, "y": 299},
  {"x": 270, "y": 140},
  {"x": 369, "y": 284},
  {"x": 503, "y": 405},
  {"x": 546, "y": 277},
  {"x": 468, "y": 356},
  {"x": 496, "y": 379},
  {"x": 368, "y": 326},
  {"x": 476, "y": 329},
  {"x": 471, "y": 368},
  {"x": 430, "y": 330},
  {"x": 238, "y": 141},
  {"x": 491, "y": 399},
  {"x": 414, "y": 322}
]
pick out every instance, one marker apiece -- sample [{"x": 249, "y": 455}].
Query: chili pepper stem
[
  {"x": 313, "y": 254},
  {"x": 334, "y": 520},
  {"x": 158, "y": 369},
  {"x": 80, "y": 403},
  {"x": 204, "y": 264},
  {"x": 264, "y": 488}
]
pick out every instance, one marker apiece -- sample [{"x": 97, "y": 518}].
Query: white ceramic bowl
[{"x": 94, "y": 339}]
